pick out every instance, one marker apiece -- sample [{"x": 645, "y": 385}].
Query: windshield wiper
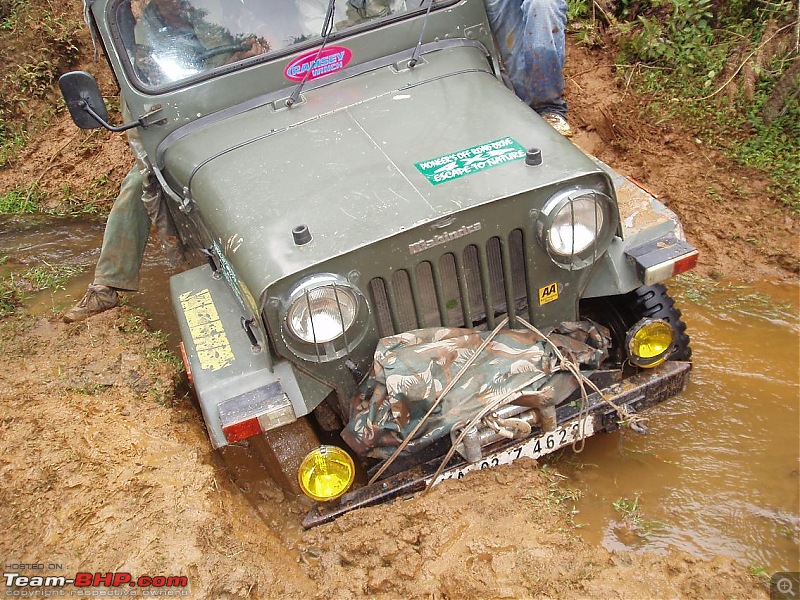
[
  {"x": 327, "y": 29},
  {"x": 415, "y": 55}
]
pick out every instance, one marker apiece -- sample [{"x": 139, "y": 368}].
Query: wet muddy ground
[
  {"x": 718, "y": 473},
  {"x": 693, "y": 509}
]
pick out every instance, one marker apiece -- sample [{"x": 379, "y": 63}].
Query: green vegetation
[
  {"x": 19, "y": 201},
  {"x": 51, "y": 47},
  {"x": 32, "y": 200},
  {"x": 731, "y": 70},
  {"x": 12, "y": 138},
  {"x": 631, "y": 512},
  {"x": 47, "y": 277},
  {"x": 760, "y": 572}
]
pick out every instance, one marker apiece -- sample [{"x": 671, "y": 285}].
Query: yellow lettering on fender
[
  {"x": 548, "y": 293},
  {"x": 210, "y": 341}
]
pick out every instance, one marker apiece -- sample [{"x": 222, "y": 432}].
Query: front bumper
[{"x": 636, "y": 394}]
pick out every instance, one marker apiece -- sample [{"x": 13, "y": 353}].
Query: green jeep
[{"x": 404, "y": 273}]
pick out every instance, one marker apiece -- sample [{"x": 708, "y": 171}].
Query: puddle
[
  {"x": 719, "y": 472},
  {"x": 33, "y": 241},
  {"x": 717, "y": 475}
]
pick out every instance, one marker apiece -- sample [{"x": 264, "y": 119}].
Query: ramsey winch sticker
[
  {"x": 316, "y": 64},
  {"x": 472, "y": 160}
]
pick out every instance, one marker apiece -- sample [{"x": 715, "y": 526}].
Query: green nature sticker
[{"x": 472, "y": 160}]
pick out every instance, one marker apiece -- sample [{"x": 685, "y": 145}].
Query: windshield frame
[{"x": 115, "y": 30}]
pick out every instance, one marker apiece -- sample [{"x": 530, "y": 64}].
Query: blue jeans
[{"x": 531, "y": 37}]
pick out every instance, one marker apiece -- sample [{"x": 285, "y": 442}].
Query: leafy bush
[{"x": 716, "y": 65}]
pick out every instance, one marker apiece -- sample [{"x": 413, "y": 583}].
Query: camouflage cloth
[{"x": 412, "y": 369}]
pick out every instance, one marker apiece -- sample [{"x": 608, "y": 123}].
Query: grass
[
  {"x": 31, "y": 200},
  {"x": 12, "y": 139},
  {"x": 631, "y": 512},
  {"x": 162, "y": 356},
  {"x": 760, "y": 573},
  {"x": 50, "y": 277},
  {"x": 15, "y": 15},
  {"x": 21, "y": 201}
]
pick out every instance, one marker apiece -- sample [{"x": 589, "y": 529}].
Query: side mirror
[
  {"x": 81, "y": 92},
  {"x": 86, "y": 105}
]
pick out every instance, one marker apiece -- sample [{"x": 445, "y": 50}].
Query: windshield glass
[{"x": 171, "y": 40}]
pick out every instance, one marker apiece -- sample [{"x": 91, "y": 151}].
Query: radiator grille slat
[{"x": 455, "y": 289}]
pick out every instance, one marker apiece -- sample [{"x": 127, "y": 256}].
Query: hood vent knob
[
  {"x": 533, "y": 157},
  {"x": 301, "y": 235}
]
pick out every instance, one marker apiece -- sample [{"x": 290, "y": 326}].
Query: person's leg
[
  {"x": 124, "y": 240},
  {"x": 125, "y": 237},
  {"x": 508, "y": 26},
  {"x": 545, "y": 42},
  {"x": 531, "y": 37}
]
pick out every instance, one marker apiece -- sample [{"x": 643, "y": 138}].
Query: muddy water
[
  {"x": 29, "y": 242},
  {"x": 718, "y": 473}
]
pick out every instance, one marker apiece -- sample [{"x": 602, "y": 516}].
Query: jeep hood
[{"x": 343, "y": 163}]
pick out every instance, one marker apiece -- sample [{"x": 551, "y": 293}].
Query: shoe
[
  {"x": 98, "y": 298},
  {"x": 558, "y": 122}
]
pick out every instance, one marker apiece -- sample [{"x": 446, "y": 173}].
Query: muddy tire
[{"x": 620, "y": 313}]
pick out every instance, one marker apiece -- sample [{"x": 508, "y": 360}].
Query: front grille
[{"x": 456, "y": 289}]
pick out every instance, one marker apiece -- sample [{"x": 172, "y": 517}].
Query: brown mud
[{"x": 105, "y": 467}]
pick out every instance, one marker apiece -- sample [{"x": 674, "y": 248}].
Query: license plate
[{"x": 546, "y": 443}]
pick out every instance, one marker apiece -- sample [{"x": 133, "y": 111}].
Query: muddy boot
[
  {"x": 98, "y": 298},
  {"x": 558, "y": 122}
]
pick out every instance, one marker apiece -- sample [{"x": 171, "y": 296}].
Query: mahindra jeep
[{"x": 404, "y": 273}]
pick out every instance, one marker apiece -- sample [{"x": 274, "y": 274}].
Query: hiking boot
[
  {"x": 558, "y": 122},
  {"x": 98, "y": 298}
]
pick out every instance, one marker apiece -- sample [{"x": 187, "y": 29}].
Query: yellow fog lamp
[
  {"x": 326, "y": 473},
  {"x": 649, "y": 342}
]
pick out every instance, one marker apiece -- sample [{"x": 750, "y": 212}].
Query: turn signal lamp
[
  {"x": 649, "y": 342},
  {"x": 326, "y": 473}
]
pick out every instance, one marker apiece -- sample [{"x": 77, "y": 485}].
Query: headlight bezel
[
  {"x": 326, "y": 347},
  {"x": 603, "y": 228}
]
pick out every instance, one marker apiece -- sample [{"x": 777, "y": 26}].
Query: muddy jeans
[
  {"x": 531, "y": 37},
  {"x": 125, "y": 236},
  {"x": 140, "y": 202}
]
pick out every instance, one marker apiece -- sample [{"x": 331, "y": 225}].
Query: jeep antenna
[
  {"x": 415, "y": 55},
  {"x": 327, "y": 29}
]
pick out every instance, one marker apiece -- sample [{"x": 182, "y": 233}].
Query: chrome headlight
[
  {"x": 576, "y": 226},
  {"x": 321, "y": 317},
  {"x": 322, "y": 314}
]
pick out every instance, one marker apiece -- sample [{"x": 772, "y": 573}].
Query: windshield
[{"x": 171, "y": 40}]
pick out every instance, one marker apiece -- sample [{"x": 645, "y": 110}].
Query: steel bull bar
[{"x": 637, "y": 393}]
